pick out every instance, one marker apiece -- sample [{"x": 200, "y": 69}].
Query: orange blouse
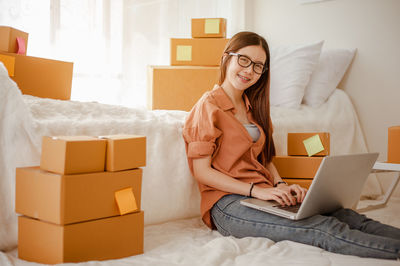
[{"x": 211, "y": 129}]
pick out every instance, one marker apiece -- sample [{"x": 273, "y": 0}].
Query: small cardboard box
[
  {"x": 40, "y": 77},
  {"x": 303, "y": 182},
  {"x": 208, "y": 28},
  {"x": 178, "y": 87},
  {"x": 393, "y": 155},
  {"x": 66, "y": 199},
  {"x": 197, "y": 52},
  {"x": 102, "y": 239},
  {"x": 125, "y": 152},
  {"x": 73, "y": 154},
  {"x": 297, "y": 166},
  {"x": 295, "y": 145},
  {"x": 13, "y": 40}
]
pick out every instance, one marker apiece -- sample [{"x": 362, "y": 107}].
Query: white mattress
[{"x": 174, "y": 233}]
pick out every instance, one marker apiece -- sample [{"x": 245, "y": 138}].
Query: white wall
[{"x": 371, "y": 26}]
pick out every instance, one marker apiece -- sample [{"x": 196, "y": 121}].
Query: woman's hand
[
  {"x": 283, "y": 194},
  {"x": 294, "y": 189}
]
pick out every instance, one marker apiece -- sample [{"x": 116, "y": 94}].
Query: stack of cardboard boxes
[
  {"x": 194, "y": 67},
  {"x": 34, "y": 76},
  {"x": 84, "y": 200},
  {"x": 301, "y": 164}
]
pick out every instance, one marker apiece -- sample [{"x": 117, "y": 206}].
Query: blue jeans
[{"x": 343, "y": 231}]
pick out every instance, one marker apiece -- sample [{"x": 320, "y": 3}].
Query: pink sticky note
[{"x": 21, "y": 46}]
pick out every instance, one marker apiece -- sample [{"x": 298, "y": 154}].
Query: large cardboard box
[
  {"x": 41, "y": 77},
  {"x": 297, "y": 166},
  {"x": 125, "y": 152},
  {"x": 178, "y": 87},
  {"x": 295, "y": 145},
  {"x": 303, "y": 182},
  {"x": 73, "y": 154},
  {"x": 13, "y": 40},
  {"x": 197, "y": 52},
  {"x": 208, "y": 27},
  {"x": 103, "y": 239},
  {"x": 66, "y": 199},
  {"x": 393, "y": 155}
]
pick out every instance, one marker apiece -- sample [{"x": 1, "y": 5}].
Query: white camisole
[{"x": 253, "y": 130}]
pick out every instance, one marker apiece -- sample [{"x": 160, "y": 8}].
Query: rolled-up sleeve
[
  {"x": 198, "y": 149},
  {"x": 200, "y": 131}
]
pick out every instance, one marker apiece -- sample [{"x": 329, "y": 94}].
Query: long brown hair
[{"x": 258, "y": 93}]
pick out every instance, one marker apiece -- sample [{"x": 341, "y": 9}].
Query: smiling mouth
[{"x": 243, "y": 78}]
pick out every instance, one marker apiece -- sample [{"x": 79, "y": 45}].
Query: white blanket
[{"x": 169, "y": 192}]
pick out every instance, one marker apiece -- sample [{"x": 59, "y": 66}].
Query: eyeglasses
[{"x": 244, "y": 61}]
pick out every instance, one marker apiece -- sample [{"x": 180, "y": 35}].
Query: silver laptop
[{"x": 337, "y": 184}]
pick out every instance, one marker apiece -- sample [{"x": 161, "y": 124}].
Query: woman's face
[{"x": 239, "y": 77}]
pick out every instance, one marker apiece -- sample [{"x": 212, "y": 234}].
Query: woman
[{"x": 228, "y": 136}]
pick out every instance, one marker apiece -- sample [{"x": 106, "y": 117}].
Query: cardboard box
[
  {"x": 303, "y": 182},
  {"x": 13, "y": 40},
  {"x": 125, "y": 152},
  {"x": 73, "y": 154},
  {"x": 208, "y": 27},
  {"x": 295, "y": 145},
  {"x": 9, "y": 63},
  {"x": 178, "y": 87},
  {"x": 66, "y": 199},
  {"x": 393, "y": 155},
  {"x": 103, "y": 239},
  {"x": 41, "y": 77},
  {"x": 197, "y": 52},
  {"x": 297, "y": 166}
]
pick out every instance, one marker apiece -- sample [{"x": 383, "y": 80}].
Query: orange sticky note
[
  {"x": 126, "y": 201},
  {"x": 9, "y": 63},
  {"x": 21, "y": 45},
  {"x": 313, "y": 145}
]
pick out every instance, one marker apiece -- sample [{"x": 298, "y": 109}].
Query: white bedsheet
[
  {"x": 169, "y": 193},
  {"x": 190, "y": 242}
]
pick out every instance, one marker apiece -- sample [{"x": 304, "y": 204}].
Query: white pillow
[
  {"x": 330, "y": 70},
  {"x": 291, "y": 69}
]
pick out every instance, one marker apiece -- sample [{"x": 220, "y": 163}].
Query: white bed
[{"x": 174, "y": 233}]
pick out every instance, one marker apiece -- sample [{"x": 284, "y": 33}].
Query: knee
[
  {"x": 345, "y": 213},
  {"x": 353, "y": 218}
]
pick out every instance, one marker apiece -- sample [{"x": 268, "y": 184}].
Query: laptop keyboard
[{"x": 292, "y": 208}]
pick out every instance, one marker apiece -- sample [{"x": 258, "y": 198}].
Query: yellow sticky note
[
  {"x": 126, "y": 201},
  {"x": 313, "y": 145},
  {"x": 184, "y": 53},
  {"x": 9, "y": 63},
  {"x": 211, "y": 26}
]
